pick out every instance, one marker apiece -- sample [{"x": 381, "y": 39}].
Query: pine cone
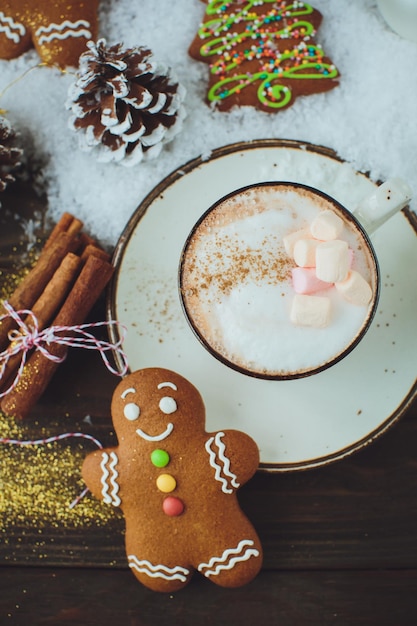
[
  {"x": 9, "y": 154},
  {"x": 124, "y": 104}
]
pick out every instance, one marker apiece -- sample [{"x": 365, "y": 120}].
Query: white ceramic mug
[{"x": 235, "y": 278}]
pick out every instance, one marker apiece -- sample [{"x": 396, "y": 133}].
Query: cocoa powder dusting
[{"x": 235, "y": 264}]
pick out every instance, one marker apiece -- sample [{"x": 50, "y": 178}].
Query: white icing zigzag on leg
[
  {"x": 243, "y": 552},
  {"x": 57, "y": 31},
  {"x": 225, "y": 468},
  {"x": 13, "y": 30},
  {"x": 158, "y": 571}
]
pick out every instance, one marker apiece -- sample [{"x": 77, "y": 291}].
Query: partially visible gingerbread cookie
[
  {"x": 59, "y": 30},
  {"x": 176, "y": 485},
  {"x": 262, "y": 53}
]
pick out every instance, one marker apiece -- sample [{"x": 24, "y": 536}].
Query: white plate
[{"x": 297, "y": 424}]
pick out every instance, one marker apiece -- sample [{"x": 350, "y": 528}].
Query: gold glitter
[
  {"x": 39, "y": 483},
  {"x": 10, "y": 279}
]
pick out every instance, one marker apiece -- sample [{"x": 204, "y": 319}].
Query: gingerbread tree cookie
[
  {"x": 59, "y": 30},
  {"x": 262, "y": 53},
  {"x": 176, "y": 485}
]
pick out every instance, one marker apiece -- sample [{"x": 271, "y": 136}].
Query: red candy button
[{"x": 172, "y": 506}]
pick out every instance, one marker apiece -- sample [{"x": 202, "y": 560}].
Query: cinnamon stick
[
  {"x": 39, "y": 370},
  {"x": 87, "y": 240},
  {"x": 54, "y": 294},
  {"x": 34, "y": 283},
  {"x": 47, "y": 306},
  {"x": 94, "y": 250},
  {"x": 66, "y": 224}
]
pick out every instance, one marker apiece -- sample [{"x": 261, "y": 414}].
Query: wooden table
[{"x": 340, "y": 541}]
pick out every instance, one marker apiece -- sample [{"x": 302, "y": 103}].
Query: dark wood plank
[
  {"x": 43, "y": 596},
  {"x": 22, "y": 222},
  {"x": 340, "y": 541},
  {"x": 359, "y": 512}
]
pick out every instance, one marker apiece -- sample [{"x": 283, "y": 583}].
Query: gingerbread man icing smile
[
  {"x": 176, "y": 485},
  {"x": 58, "y": 29}
]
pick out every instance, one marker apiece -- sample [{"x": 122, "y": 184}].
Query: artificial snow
[{"x": 369, "y": 120}]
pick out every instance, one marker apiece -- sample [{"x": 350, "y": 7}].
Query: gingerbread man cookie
[
  {"x": 59, "y": 29},
  {"x": 176, "y": 485}
]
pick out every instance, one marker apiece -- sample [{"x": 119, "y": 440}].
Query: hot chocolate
[{"x": 237, "y": 286}]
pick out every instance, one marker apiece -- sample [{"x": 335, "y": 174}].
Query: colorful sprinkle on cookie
[{"x": 262, "y": 53}]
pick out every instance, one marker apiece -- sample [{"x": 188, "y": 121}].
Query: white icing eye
[
  {"x": 131, "y": 411},
  {"x": 167, "y": 405}
]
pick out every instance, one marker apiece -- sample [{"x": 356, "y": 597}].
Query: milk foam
[{"x": 236, "y": 283}]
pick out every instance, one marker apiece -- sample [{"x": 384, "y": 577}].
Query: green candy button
[{"x": 160, "y": 458}]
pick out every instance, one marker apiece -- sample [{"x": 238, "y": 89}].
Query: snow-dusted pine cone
[
  {"x": 124, "y": 104},
  {"x": 9, "y": 154}
]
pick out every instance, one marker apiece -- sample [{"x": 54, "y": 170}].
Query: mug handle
[{"x": 383, "y": 203}]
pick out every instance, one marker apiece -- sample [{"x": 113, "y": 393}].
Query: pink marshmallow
[{"x": 304, "y": 280}]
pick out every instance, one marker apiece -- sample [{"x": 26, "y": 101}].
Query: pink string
[
  {"x": 53, "y": 439},
  {"x": 28, "y": 336}
]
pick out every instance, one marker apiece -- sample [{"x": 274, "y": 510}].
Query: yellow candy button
[{"x": 166, "y": 483}]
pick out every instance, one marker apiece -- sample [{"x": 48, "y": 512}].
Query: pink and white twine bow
[{"x": 27, "y": 336}]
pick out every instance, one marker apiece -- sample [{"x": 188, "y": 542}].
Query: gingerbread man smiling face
[
  {"x": 176, "y": 485},
  {"x": 58, "y": 29}
]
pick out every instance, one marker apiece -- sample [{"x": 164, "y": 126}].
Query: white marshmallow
[
  {"x": 305, "y": 252},
  {"x": 326, "y": 225},
  {"x": 332, "y": 261},
  {"x": 291, "y": 239},
  {"x": 355, "y": 289},
  {"x": 312, "y": 311}
]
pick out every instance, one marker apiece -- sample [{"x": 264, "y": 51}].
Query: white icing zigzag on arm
[
  {"x": 226, "y": 463},
  {"x": 104, "y": 477},
  {"x": 225, "y": 460},
  {"x": 112, "y": 497},
  {"x": 243, "y": 552},
  {"x": 9, "y": 27},
  {"x": 158, "y": 571},
  {"x": 113, "y": 479},
  {"x": 216, "y": 467},
  {"x": 57, "y": 31}
]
